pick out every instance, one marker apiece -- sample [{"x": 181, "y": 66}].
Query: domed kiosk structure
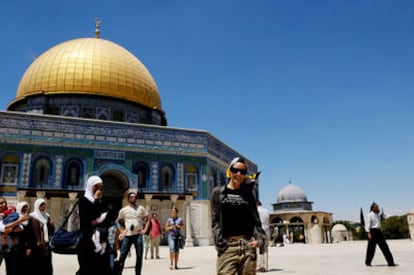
[
  {"x": 293, "y": 219},
  {"x": 88, "y": 106}
]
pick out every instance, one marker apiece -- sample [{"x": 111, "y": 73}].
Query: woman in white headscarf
[
  {"x": 24, "y": 241},
  {"x": 43, "y": 228},
  {"x": 90, "y": 214}
]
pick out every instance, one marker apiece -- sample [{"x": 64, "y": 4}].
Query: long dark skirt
[{"x": 91, "y": 262}]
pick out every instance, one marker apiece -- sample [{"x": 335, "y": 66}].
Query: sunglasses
[{"x": 236, "y": 170}]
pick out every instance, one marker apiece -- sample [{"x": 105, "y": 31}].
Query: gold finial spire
[{"x": 98, "y": 23}]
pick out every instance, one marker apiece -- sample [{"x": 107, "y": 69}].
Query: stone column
[
  {"x": 174, "y": 199},
  {"x": 73, "y": 218},
  {"x": 147, "y": 203},
  {"x": 21, "y": 194},
  {"x": 188, "y": 229},
  {"x": 40, "y": 194},
  {"x": 306, "y": 234}
]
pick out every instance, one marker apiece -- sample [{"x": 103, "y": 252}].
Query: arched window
[
  {"x": 166, "y": 178},
  {"x": 102, "y": 113},
  {"x": 118, "y": 116},
  {"x": 42, "y": 172},
  {"x": 191, "y": 178},
  {"x": 131, "y": 117},
  {"x": 296, "y": 220},
  {"x": 277, "y": 220},
  {"x": 73, "y": 173},
  {"x": 9, "y": 170},
  {"x": 87, "y": 112},
  {"x": 142, "y": 171},
  {"x": 70, "y": 110}
]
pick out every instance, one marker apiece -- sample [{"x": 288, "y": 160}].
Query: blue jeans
[
  {"x": 173, "y": 244},
  {"x": 126, "y": 246}
]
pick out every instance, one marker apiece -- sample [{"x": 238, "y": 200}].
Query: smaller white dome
[
  {"x": 339, "y": 233},
  {"x": 339, "y": 227},
  {"x": 291, "y": 193}
]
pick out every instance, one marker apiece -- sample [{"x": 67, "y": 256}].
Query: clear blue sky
[{"x": 319, "y": 92}]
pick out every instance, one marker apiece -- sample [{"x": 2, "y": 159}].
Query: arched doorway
[
  {"x": 114, "y": 187},
  {"x": 297, "y": 230},
  {"x": 277, "y": 231}
]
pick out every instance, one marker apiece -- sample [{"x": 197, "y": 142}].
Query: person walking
[
  {"x": 174, "y": 226},
  {"x": 155, "y": 234},
  {"x": 146, "y": 241},
  {"x": 375, "y": 236},
  {"x": 91, "y": 213},
  {"x": 263, "y": 256},
  {"x": 136, "y": 221},
  {"x": 236, "y": 225},
  {"x": 43, "y": 228}
]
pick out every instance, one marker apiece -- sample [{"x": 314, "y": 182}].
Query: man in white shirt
[
  {"x": 263, "y": 251},
  {"x": 375, "y": 236},
  {"x": 135, "y": 223}
]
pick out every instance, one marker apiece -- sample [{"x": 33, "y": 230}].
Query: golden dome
[{"x": 91, "y": 66}]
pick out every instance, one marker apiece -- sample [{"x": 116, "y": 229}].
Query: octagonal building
[{"x": 88, "y": 106}]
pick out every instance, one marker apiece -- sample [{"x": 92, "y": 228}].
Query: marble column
[
  {"x": 21, "y": 194},
  {"x": 174, "y": 199},
  {"x": 40, "y": 195},
  {"x": 148, "y": 203},
  {"x": 188, "y": 229}
]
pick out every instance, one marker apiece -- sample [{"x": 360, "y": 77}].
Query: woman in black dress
[{"x": 91, "y": 214}]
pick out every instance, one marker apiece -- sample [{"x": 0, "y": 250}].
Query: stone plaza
[{"x": 308, "y": 259}]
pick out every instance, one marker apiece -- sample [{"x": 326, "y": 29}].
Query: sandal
[{"x": 171, "y": 267}]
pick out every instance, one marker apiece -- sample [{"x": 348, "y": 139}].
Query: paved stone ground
[{"x": 308, "y": 259}]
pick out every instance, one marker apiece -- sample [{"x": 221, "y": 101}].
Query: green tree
[
  {"x": 395, "y": 227},
  {"x": 360, "y": 232}
]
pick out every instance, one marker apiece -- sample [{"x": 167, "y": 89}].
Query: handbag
[
  {"x": 181, "y": 241},
  {"x": 63, "y": 241}
]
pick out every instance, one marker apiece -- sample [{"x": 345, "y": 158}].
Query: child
[
  {"x": 98, "y": 240},
  {"x": 100, "y": 235},
  {"x": 114, "y": 245},
  {"x": 8, "y": 216}
]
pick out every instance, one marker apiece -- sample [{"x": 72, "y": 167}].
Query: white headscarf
[
  {"x": 19, "y": 208},
  {"x": 92, "y": 181},
  {"x": 42, "y": 217}
]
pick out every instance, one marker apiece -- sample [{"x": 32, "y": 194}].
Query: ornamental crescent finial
[{"x": 98, "y": 23}]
